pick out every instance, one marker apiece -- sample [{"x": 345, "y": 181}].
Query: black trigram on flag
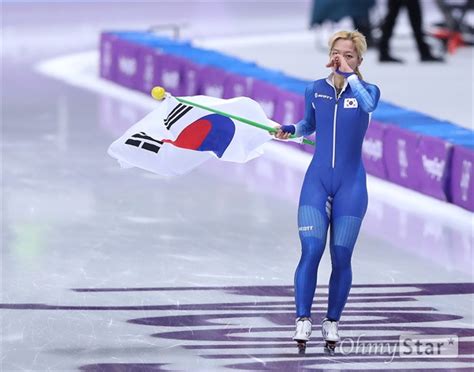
[
  {"x": 145, "y": 142},
  {"x": 177, "y": 113}
]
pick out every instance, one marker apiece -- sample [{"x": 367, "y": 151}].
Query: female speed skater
[{"x": 334, "y": 191}]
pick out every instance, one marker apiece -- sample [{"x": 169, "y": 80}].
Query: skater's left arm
[{"x": 367, "y": 96}]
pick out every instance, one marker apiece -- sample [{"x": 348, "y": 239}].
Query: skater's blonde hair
[{"x": 358, "y": 39}]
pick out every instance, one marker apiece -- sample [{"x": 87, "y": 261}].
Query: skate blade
[
  {"x": 330, "y": 347},
  {"x": 301, "y": 346}
]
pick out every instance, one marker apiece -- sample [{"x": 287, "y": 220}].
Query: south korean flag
[{"x": 350, "y": 103}]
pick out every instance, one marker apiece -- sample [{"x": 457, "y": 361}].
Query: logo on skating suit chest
[
  {"x": 350, "y": 103},
  {"x": 319, "y": 95}
]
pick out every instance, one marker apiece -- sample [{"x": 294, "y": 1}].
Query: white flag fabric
[{"x": 175, "y": 138}]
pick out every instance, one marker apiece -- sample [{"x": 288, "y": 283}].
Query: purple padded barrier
[
  {"x": 289, "y": 107},
  {"x": 372, "y": 149},
  {"x": 237, "y": 86},
  {"x": 149, "y": 68},
  {"x": 190, "y": 78},
  {"x": 176, "y": 74},
  {"x": 462, "y": 177},
  {"x": 169, "y": 73},
  {"x": 127, "y": 71},
  {"x": 266, "y": 95},
  {"x": 213, "y": 83},
  {"x": 435, "y": 157},
  {"x": 401, "y": 157},
  {"x": 108, "y": 62}
]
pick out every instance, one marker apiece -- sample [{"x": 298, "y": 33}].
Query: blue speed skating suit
[{"x": 334, "y": 191}]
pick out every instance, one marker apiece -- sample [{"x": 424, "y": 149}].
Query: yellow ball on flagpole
[{"x": 158, "y": 93}]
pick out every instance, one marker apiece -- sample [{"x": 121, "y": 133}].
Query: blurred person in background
[
  {"x": 335, "y": 10},
  {"x": 454, "y": 31},
  {"x": 415, "y": 14},
  {"x": 334, "y": 191}
]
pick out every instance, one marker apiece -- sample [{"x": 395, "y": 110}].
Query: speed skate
[
  {"x": 330, "y": 333},
  {"x": 302, "y": 333}
]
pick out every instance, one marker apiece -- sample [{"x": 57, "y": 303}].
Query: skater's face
[{"x": 346, "y": 48}]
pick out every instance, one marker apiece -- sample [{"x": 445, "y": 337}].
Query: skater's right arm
[
  {"x": 307, "y": 126},
  {"x": 304, "y": 127}
]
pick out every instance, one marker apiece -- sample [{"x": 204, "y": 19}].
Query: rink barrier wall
[{"x": 410, "y": 149}]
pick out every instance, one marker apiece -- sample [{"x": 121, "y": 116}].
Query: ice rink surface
[{"x": 105, "y": 269}]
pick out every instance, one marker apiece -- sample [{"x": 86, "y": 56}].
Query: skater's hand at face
[
  {"x": 280, "y": 134},
  {"x": 339, "y": 63},
  {"x": 333, "y": 62},
  {"x": 343, "y": 65}
]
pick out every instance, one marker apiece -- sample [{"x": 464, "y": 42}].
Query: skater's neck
[{"x": 338, "y": 82}]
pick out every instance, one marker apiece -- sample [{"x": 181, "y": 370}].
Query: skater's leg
[
  {"x": 415, "y": 16},
  {"x": 313, "y": 227},
  {"x": 313, "y": 220},
  {"x": 343, "y": 237},
  {"x": 388, "y": 26},
  {"x": 344, "y": 231},
  {"x": 349, "y": 207}
]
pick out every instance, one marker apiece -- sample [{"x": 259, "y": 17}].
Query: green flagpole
[{"x": 159, "y": 93}]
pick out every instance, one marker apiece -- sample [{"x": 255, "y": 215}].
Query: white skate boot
[
  {"x": 330, "y": 335},
  {"x": 303, "y": 332}
]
